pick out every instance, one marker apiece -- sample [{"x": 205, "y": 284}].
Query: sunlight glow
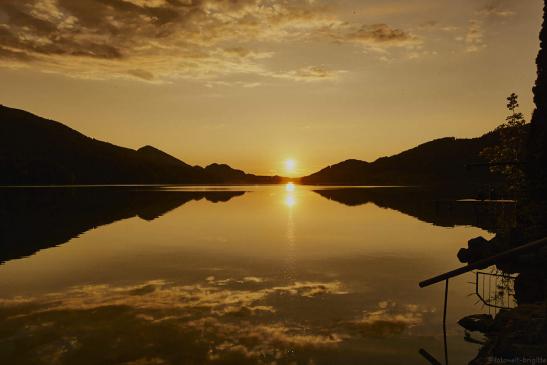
[{"x": 290, "y": 165}]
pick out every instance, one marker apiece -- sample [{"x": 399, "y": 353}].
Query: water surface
[{"x": 230, "y": 275}]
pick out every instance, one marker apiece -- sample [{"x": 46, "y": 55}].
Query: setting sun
[
  {"x": 281, "y": 181},
  {"x": 290, "y": 165}
]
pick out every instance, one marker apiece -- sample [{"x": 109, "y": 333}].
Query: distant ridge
[
  {"x": 440, "y": 161},
  {"x": 152, "y": 154},
  {"x": 36, "y": 151}
]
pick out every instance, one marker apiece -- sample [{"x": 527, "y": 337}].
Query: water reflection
[
  {"x": 34, "y": 219},
  {"x": 441, "y": 207},
  {"x": 514, "y": 291},
  {"x": 235, "y": 317},
  {"x": 290, "y": 201},
  {"x": 289, "y": 187},
  {"x": 252, "y": 281},
  {"x": 242, "y": 320}
]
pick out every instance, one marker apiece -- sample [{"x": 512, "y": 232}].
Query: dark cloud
[
  {"x": 156, "y": 39},
  {"x": 14, "y": 55},
  {"x": 142, "y": 74},
  {"x": 380, "y": 34},
  {"x": 16, "y": 16}
]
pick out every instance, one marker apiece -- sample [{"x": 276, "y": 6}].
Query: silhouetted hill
[
  {"x": 440, "y": 161},
  {"x": 222, "y": 172},
  {"x": 35, "y": 150},
  {"x": 32, "y": 219},
  {"x": 153, "y": 155}
]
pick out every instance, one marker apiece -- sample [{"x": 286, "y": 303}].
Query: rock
[
  {"x": 463, "y": 255},
  {"x": 477, "y": 243},
  {"x": 517, "y": 335},
  {"x": 477, "y": 323},
  {"x": 478, "y": 249}
]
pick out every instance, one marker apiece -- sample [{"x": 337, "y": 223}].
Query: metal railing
[
  {"x": 495, "y": 290},
  {"x": 480, "y": 264}
]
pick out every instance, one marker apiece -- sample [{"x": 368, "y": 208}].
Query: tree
[
  {"x": 505, "y": 156},
  {"x": 536, "y": 158}
]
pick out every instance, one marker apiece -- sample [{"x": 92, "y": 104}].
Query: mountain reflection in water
[
  {"x": 443, "y": 208},
  {"x": 274, "y": 275},
  {"x": 35, "y": 218}
]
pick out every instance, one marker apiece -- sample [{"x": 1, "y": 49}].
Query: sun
[{"x": 290, "y": 165}]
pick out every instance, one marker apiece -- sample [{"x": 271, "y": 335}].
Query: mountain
[
  {"x": 440, "y": 161},
  {"x": 35, "y": 151}
]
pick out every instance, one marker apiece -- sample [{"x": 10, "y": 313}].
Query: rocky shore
[{"x": 515, "y": 336}]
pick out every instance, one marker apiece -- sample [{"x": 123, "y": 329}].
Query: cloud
[
  {"x": 377, "y": 35},
  {"x": 310, "y": 73},
  {"x": 157, "y": 40},
  {"x": 242, "y": 320},
  {"x": 236, "y": 317},
  {"x": 495, "y": 9},
  {"x": 217, "y": 295},
  {"x": 474, "y": 39},
  {"x": 390, "y": 318},
  {"x": 142, "y": 74}
]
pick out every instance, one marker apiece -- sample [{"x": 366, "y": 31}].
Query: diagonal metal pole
[
  {"x": 426, "y": 355},
  {"x": 486, "y": 262}
]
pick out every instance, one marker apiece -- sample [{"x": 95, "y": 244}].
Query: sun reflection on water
[
  {"x": 290, "y": 199},
  {"x": 290, "y": 202},
  {"x": 289, "y": 187}
]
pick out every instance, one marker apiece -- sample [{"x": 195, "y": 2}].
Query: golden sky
[{"x": 253, "y": 83}]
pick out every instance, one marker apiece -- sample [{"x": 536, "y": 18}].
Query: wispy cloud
[
  {"x": 474, "y": 39},
  {"x": 233, "y": 315},
  {"x": 243, "y": 319},
  {"x": 310, "y": 73},
  {"x": 375, "y": 35},
  {"x": 495, "y": 9}
]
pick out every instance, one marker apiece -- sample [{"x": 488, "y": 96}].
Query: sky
[{"x": 254, "y": 83}]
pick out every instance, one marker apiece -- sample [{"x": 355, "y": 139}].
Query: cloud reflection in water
[{"x": 214, "y": 321}]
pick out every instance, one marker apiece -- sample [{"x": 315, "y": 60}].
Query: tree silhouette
[
  {"x": 537, "y": 143},
  {"x": 513, "y": 102},
  {"x": 505, "y": 156}
]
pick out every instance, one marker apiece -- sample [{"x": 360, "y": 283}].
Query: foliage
[{"x": 506, "y": 156}]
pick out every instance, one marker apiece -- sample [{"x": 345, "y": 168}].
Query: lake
[{"x": 231, "y": 275}]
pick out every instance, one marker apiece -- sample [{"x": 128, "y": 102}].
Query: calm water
[{"x": 229, "y": 275}]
